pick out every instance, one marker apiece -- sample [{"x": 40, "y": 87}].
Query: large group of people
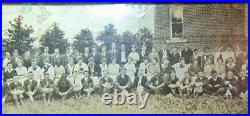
[{"x": 161, "y": 71}]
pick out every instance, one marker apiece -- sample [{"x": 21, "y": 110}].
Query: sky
[{"x": 73, "y": 18}]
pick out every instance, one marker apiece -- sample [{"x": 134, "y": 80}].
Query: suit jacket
[
  {"x": 30, "y": 86},
  {"x": 123, "y": 81},
  {"x": 86, "y": 57},
  {"x": 65, "y": 59},
  {"x": 161, "y": 54},
  {"x": 47, "y": 83},
  {"x": 112, "y": 55},
  {"x": 56, "y": 59},
  {"x": 87, "y": 84},
  {"x": 43, "y": 57},
  {"x": 187, "y": 55},
  {"x": 174, "y": 58},
  {"x": 97, "y": 57},
  {"x": 143, "y": 56},
  {"x": 9, "y": 75},
  {"x": 17, "y": 86}
]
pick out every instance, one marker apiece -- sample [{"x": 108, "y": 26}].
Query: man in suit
[
  {"x": 88, "y": 85},
  {"x": 86, "y": 55},
  {"x": 174, "y": 56},
  {"x": 122, "y": 59},
  {"x": 44, "y": 55},
  {"x": 56, "y": 57},
  {"x": 143, "y": 53},
  {"x": 30, "y": 86},
  {"x": 66, "y": 57},
  {"x": 16, "y": 91},
  {"x": 187, "y": 54},
  {"x": 103, "y": 53},
  {"x": 113, "y": 53},
  {"x": 96, "y": 55},
  {"x": 164, "y": 53},
  {"x": 47, "y": 88},
  {"x": 106, "y": 82}
]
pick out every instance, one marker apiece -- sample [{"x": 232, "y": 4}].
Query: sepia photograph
[{"x": 116, "y": 58}]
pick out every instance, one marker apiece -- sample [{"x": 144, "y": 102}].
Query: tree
[
  {"x": 128, "y": 38},
  {"x": 145, "y": 36},
  {"x": 83, "y": 39},
  {"x": 54, "y": 38},
  {"x": 108, "y": 36},
  {"x": 18, "y": 37}
]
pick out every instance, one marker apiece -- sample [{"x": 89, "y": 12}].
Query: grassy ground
[{"x": 156, "y": 104}]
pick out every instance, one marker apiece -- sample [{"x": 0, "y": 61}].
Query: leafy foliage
[
  {"x": 108, "y": 36},
  {"x": 54, "y": 38},
  {"x": 18, "y": 36},
  {"x": 83, "y": 39}
]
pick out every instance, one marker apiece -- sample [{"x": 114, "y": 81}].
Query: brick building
[{"x": 201, "y": 24}]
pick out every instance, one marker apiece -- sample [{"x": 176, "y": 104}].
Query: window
[{"x": 176, "y": 21}]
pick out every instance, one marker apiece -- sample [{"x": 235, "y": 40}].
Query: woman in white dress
[{"x": 130, "y": 66}]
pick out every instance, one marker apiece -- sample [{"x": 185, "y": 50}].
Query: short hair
[{"x": 213, "y": 72}]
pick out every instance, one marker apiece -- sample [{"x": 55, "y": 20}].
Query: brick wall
[{"x": 205, "y": 24}]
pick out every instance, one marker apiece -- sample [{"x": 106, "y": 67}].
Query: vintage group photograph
[{"x": 152, "y": 58}]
